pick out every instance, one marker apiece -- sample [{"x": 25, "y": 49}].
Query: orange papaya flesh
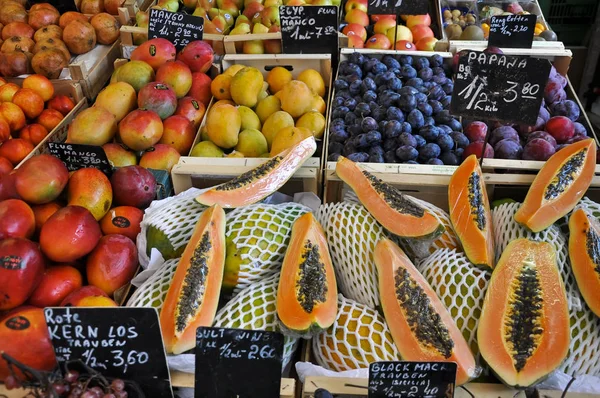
[
  {"x": 393, "y": 210},
  {"x": 260, "y": 182},
  {"x": 470, "y": 213},
  {"x": 558, "y": 186},
  {"x": 307, "y": 291},
  {"x": 422, "y": 328},
  {"x": 523, "y": 330},
  {"x": 584, "y": 252},
  {"x": 193, "y": 296}
]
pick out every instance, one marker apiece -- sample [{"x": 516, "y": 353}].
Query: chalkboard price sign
[
  {"x": 178, "y": 28},
  {"x": 309, "y": 30},
  {"x": 121, "y": 342},
  {"x": 398, "y": 7},
  {"x": 499, "y": 87},
  {"x": 238, "y": 363},
  {"x": 512, "y": 31},
  {"x": 77, "y": 156},
  {"x": 412, "y": 379}
]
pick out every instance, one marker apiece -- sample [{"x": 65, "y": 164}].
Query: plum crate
[
  {"x": 206, "y": 172},
  {"x": 59, "y": 133}
]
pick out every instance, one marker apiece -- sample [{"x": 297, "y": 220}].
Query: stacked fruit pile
[
  {"x": 154, "y": 105},
  {"x": 383, "y": 32},
  {"x": 395, "y": 109},
  {"x": 43, "y": 41},
  {"x": 66, "y": 239},
  {"x": 558, "y": 125},
  {"x": 27, "y": 115},
  {"x": 261, "y": 116}
]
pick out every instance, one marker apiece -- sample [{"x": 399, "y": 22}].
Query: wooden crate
[
  {"x": 230, "y": 41},
  {"x": 128, "y": 10},
  {"x": 206, "y": 172},
  {"x": 358, "y": 388},
  {"x": 59, "y": 133}
]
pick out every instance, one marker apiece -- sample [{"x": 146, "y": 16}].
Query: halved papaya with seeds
[
  {"x": 558, "y": 186},
  {"x": 523, "y": 331},
  {"x": 470, "y": 213},
  {"x": 584, "y": 252},
  {"x": 260, "y": 182},
  {"x": 193, "y": 296},
  {"x": 307, "y": 292},
  {"x": 422, "y": 328},
  {"x": 394, "y": 211}
]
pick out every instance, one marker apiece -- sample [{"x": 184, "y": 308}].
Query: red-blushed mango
[
  {"x": 179, "y": 133},
  {"x": 133, "y": 186},
  {"x": 69, "y": 234},
  {"x": 192, "y": 109},
  {"x": 160, "y": 157},
  {"x": 123, "y": 220},
  {"x": 43, "y": 212},
  {"x": 154, "y": 52},
  {"x": 90, "y": 188},
  {"x": 7, "y": 186},
  {"x": 118, "y": 155},
  {"x": 198, "y": 55},
  {"x": 56, "y": 284},
  {"x": 88, "y": 296},
  {"x": 26, "y": 333},
  {"x": 177, "y": 75},
  {"x": 41, "y": 179},
  {"x": 201, "y": 88},
  {"x": 21, "y": 267},
  {"x": 16, "y": 219},
  {"x": 158, "y": 97},
  {"x": 112, "y": 263},
  {"x": 118, "y": 98},
  {"x": 141, "y": 129},
  {"x": 93, "y": 126}
]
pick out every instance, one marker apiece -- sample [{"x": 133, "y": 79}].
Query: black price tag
[
  {"x": 398, "y": 7},
  {"x": 512, "y": 31},
  {"x": 309, "y": 30},
  {"x": 499, "y": 87},
  {"x": 238, "y": 363},
  {"x": 77, "y": 156},
  {"x": 412, "y": 379},
  {"x": 123, "y": 342},
  {"x": 178, "y": 28}
]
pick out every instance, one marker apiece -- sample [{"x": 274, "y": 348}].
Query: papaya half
[
  {"x": 260, "y": 182},
  {"x": 558, "y": 186},
  {"x": 584, "y": 252},
  {"x": 422, "y": 328},
  {"x": 193, "y": 296},
  {"x": 523, "y": 330},
  {"x": 307, "y": 292},
  {"x": 393, "y": 210},
  {"x": 470, "y": 213}
]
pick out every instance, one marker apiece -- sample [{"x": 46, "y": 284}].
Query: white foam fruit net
[
  {"x": 257, "y": 237},
  {"x": 358, "y": 337},
  {"x": 168, "y": 225},
  {"x": 153, "y": 292},
  {"x": 461, "y": 286},
  {"x": 352, "y": 233},
  {"x": 418, "y": 249},
  {"x": 254, "y": 308},
  {"x": 506, "y": 229},
  {"x": 589, "y": 205},
  {"x": 584, "y": 349}
]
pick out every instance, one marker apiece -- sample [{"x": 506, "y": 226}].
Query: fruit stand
[{"x": 294, "y": 225}]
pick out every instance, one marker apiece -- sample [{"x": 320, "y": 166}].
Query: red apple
[
  {"x": 357, "y": 16},
  {"x": 421, "y": 31},
  {"x": 404, "y": 45},
  {"x": 355, "y": 41},
  {"x": 413, "y": 20},
  {"x": 427, "y": 44},
  {"x": 377, "y": 17},
  {"x": 355, "y": 29},
  {"x": 401, "y": 32},
  {"x": 383, "y": 25},
  {"x": 378, "y": 41}
]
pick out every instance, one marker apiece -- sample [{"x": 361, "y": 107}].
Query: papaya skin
[
  {"x": 178, "y": 321},
  {"x": 537, "y": 212}
]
